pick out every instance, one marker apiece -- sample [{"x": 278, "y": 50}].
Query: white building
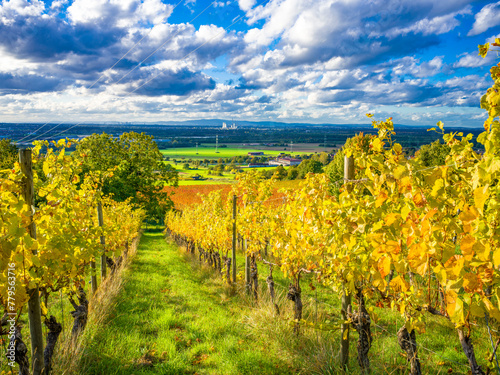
[
  {"x": 230, "y": 127},
  {"x": 286, "y": 162}
]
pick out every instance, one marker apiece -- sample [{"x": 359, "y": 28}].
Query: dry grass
[
  {"x": 68, "y": 355},
  {"x": 311, "y": 351}
]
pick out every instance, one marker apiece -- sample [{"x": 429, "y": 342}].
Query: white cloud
[
  {"x": 437, "y": 25},
  {"x": 425, "y": 69},
  {"x": 11, "y": 64},
  {"x": 246, "y": 5},
  {"x": 58, "y": 4},
  {"x": 487, "y": 18},
  {"x": 13, "y": 9},
  {"x": 329, "y": 60},
  {"x": 121, "y": 13},
  {"x": 473, "y": 61}
]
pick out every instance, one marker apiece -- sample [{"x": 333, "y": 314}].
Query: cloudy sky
[{"x": 317, "y": 61}]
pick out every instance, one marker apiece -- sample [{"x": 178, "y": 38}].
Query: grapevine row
[
  {"x": 400, "y": 235},
  {"x": 57, "y": 255}
]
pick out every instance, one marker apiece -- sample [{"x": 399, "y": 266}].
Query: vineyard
[
  {"x": 55, "y": 227},
  {"x": 417, "y": 240},
  {"x": 393, "y": 235}
]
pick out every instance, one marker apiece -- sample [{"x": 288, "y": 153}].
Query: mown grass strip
[{"x": 171, "y": 319}]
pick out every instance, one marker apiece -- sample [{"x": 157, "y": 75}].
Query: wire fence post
[
  {"x": 93, "y": 277},
  {"x": 247, "y": 262},
  {"x": 34, "y": 309},
  {"x": 103, "y": 241},
  {"x": 346, "y": 298},
  {"x": 234, "y": 238},
  {"x": 247, "y": 267}
]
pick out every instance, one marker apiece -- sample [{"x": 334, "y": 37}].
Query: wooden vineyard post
[
  {"x": 93, "y": 277},
  {"x": 34, "y": 309},
  {"x": 103, "y": 242},
  {"x": 234, "y": 238},
  {"x": 247, "y": 264},
  {"x": 247, "y": 267},
  {"x": 346, "y": 297}
]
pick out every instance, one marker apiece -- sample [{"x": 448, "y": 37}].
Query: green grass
[
  {"x": 170, "y": 319},
  {"x": 209, "y": 152},
  {"x": 186, "y": 175},
  {"x": 172, "y": 315}
]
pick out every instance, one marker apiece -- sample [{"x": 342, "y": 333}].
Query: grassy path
[{"x": 173, "y": 319}]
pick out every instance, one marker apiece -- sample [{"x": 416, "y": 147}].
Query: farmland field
[
  {"x": 186, "y": 175},
  {"x": 186, "y": 195},
  {"x": 208, "y": 151}
]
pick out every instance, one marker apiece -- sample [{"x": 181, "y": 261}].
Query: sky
[{"x": 309, "y": 61}]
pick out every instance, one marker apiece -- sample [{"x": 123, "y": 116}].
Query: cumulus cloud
[
  {"x": 11, "y": 83},
  {"x": 120, "y": 13},
  {"x": 437, "y": 25},
  {"x": 487, "y": 18},
  {"x": 178, "y": 83},
  {"x": 14, "y": 9},
  {"x": 473, "y": 61},
  {"x": 246, "y": 5},
  {"x": 346, "y": 33},
  {"x": 307, "y": 59}
]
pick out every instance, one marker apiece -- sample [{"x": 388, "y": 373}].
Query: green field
[
  {"x": 186, "y": 175},
  {"x": 224, "y": 152}
]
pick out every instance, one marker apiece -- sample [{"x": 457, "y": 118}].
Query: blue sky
[{"x": 317, "y": 61}]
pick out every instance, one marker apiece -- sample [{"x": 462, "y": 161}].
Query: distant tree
[
  {"x": 292, "y": 173},
  {"x": 138, "y": 169},
  {"x": 324, "y": 158},
  {"x": 309, "y": 166},
  {"x": 220, "y": 161},
  {"x": 433, "y": 154},
  {"x": 185, "y": 166},
  {"x": 8, "y": 154},
  {"x": 280, "y": 172}
]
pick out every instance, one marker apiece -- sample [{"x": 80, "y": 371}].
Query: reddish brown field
[{"x": 187, "y": 195}]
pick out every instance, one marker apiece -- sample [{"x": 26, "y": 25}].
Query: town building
[
  {"x": 286, "y": 162},
  {"x": 257, "y": 165}
]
